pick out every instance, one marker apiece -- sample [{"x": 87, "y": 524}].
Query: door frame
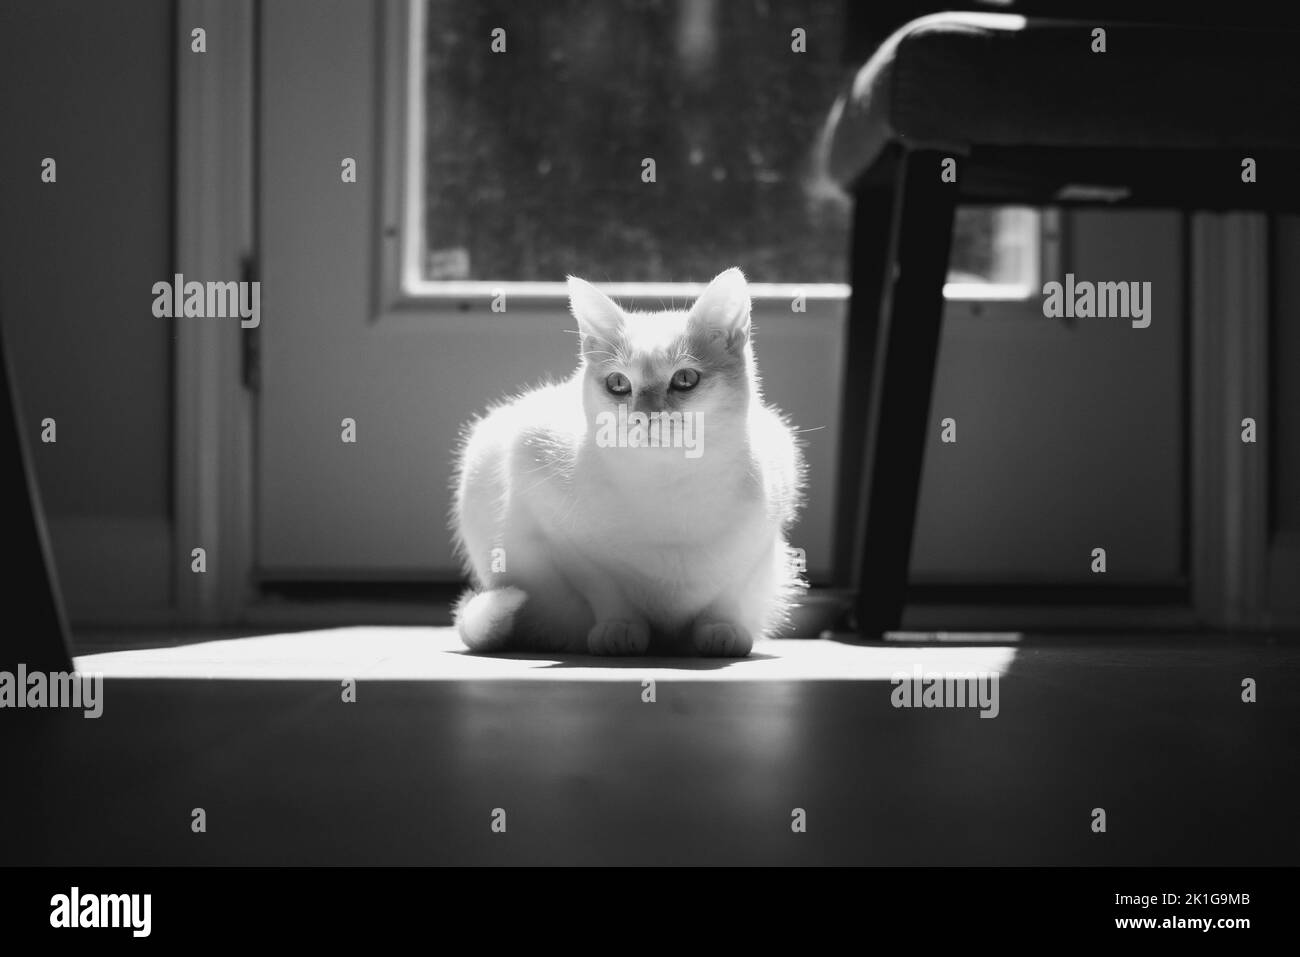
[{"x": 215, "y": 238}]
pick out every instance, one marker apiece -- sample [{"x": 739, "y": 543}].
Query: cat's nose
[{"x": 649, "y": 401}]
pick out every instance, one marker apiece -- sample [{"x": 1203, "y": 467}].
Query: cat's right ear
[{"x": 600, "y": 320}]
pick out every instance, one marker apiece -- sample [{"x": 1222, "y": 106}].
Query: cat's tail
[{"x": 486, "y": 620}]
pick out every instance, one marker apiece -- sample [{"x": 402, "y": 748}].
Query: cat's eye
[
  {"x": 617, "y": 383},
  {"x": 685, "y": 380}
]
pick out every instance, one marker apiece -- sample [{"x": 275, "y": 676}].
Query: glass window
[{"x": 537, "y": 160}]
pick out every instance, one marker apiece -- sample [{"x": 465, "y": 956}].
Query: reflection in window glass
[{"x": 536, "y": 157}]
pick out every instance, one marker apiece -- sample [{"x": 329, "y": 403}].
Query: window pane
[
  {"x": 995, "y": 245},
  {"x": 535, "y": 157}
]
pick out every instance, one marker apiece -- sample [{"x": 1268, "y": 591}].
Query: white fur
[{"x": 627, "y": 550}]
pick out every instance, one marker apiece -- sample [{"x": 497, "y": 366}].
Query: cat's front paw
[
  {"x": 618, "y": 638},
  {"x": 721, "y": 639}
]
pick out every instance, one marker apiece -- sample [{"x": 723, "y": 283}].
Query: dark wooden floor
[{"x": 1152, "y": 730}]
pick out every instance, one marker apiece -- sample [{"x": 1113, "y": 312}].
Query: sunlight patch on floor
[{"x": 431, "y": 654}]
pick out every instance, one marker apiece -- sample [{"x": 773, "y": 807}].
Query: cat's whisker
[{"x": 540, "y": 482}]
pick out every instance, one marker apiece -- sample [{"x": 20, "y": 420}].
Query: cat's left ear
[
  {"x": 722, "y": 311},
  {"x": 599, "y": 317}
]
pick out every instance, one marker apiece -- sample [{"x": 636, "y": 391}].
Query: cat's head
[{"x": 697, "y": 360}]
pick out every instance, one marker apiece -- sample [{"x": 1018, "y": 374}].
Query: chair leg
[
  {"x": 873, "y": 212},
  {"x": 902, "y": 374}
]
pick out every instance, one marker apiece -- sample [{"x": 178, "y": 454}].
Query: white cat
[{"x": 587, "y": 527}]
